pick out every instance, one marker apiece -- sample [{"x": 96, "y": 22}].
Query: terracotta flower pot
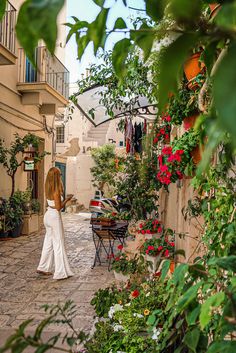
[
  {"x": 193, "y": 66},
  {"x": 196, "y": 155},
  {"x": 172, "y": 266},
  {"x": 189, "y": 121},
  {"x": 215, "y": 7}
]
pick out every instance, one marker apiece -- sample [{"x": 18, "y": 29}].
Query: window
[{"x": 60, "y": 131}]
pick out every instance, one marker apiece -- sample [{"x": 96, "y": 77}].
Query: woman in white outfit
[{"x": 53, "y": 246}]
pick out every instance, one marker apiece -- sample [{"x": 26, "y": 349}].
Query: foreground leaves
[{"x": 37, "y": 20}]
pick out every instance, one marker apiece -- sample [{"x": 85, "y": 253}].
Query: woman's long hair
[{"x": 53, "y": 183}]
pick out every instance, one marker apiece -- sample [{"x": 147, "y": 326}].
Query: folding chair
[{"x": 104, "y": 242}]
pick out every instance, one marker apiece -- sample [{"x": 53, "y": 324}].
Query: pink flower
[
  {"x": 163, "y": 168},
  {"x": 166, "y": 253},
  {"x": 180, "y": 175},
  {"x": 167, "y": 118},
  {"x": 159, "y": 159},
  {"x": 162, "y": 131},
  {"x": 155, "y": 140},
  {"x": 167, "y": 150}
]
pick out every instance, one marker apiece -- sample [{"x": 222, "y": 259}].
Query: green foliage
[
  {"x": 2, "y": 8},
  {"x": 105, "y": 171},
  {"x": 123, "y": 264},
  {"x": 182, "y": 105},
  {"x": 37, "y": 19},
  {"x": 11, "y": 157},
  {"x": 136, "y": 185},
  {"x": 115, "y": 96}
]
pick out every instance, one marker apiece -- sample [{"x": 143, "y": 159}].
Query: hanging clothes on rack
[{"x": 138, "y": 134}]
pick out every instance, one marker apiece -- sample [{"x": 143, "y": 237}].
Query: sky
[{"x": 87, "y": 10}]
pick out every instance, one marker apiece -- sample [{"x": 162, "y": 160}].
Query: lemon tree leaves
[
  {"x": 119, "y": 56},
  {"x": 224, "y": 85},
  {"x": 206, "y": 309},
  {"x": 37, "y": 20}
]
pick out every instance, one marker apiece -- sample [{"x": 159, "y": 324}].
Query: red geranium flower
[
  {"x": 166, "y": 253},
  {"x": 120, "y": 247},
  {"x": 141, "y": 225},
  {"x": 172, "y": 244},
  {"x": 150, "y": 247},
  {"x": 117, "y": 259},
  {"x": 135, "y": 293},
  {"x": 148, "y": 231},
  {"x": 160, "y": 248},
  {"x": 159, "y": 229},
  {"x": 143, "y": 231}
]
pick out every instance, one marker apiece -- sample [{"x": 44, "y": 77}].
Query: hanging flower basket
[
  {"x": 189, "y": 121},
  {"x": 193, "y": 66}
]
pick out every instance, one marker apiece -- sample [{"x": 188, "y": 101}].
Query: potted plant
[
  {"x": 14, "y": 217},
  {"x": 150, "y": 228},
  {"x": 193, "y": 66},
  {"x": 123, "y": 267},
  {"x": 152, "y": 250},
  {"x": 182, "y": 106},
  {"x": 31, "y": 208},
  {"x": 176, "y": 161}
]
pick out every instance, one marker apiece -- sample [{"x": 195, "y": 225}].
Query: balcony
[
  {"x": 47, "y": 84},
  {"x": 7, "y": 36}
]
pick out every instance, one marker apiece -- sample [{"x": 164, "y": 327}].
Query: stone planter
[
  {"x": 120, "y": 277},
  {"x": 155, "y": 261},
  {"x": 30, "y": 224}
]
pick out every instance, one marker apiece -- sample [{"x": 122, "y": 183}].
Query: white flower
[
  {"x": 118, "y": 327},
  {"x": 147, "y": 295},
  {"x": 128, "y": 304},
  {"x": 137, "y": 315},
  {"x": 156, "y": 333},
  {"x": 114, "y": 309}
]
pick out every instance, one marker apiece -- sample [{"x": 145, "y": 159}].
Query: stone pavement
[{"x": 23, "y": 291}]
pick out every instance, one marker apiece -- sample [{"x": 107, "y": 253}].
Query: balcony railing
[
  {"x": 49, "y": 69},
  {"x": 7, "y": 28}
]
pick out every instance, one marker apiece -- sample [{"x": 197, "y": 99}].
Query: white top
[{"x": 51, "y": 203}]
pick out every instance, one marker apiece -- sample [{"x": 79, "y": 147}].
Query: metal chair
[{"x": 104, "y": 239}]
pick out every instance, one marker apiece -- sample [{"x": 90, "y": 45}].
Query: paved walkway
[{"x": 23, "y": 291}]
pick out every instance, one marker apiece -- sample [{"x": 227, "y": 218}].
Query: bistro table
[{"x": 104, "y": 238}]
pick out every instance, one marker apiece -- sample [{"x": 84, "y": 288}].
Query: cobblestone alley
[{"x": 23, "y": 291}]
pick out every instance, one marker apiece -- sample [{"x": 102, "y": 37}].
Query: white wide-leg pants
[{"x": 54, "y": 246}]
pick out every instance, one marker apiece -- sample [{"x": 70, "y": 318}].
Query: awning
[{"x": 89, "y": 105}]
